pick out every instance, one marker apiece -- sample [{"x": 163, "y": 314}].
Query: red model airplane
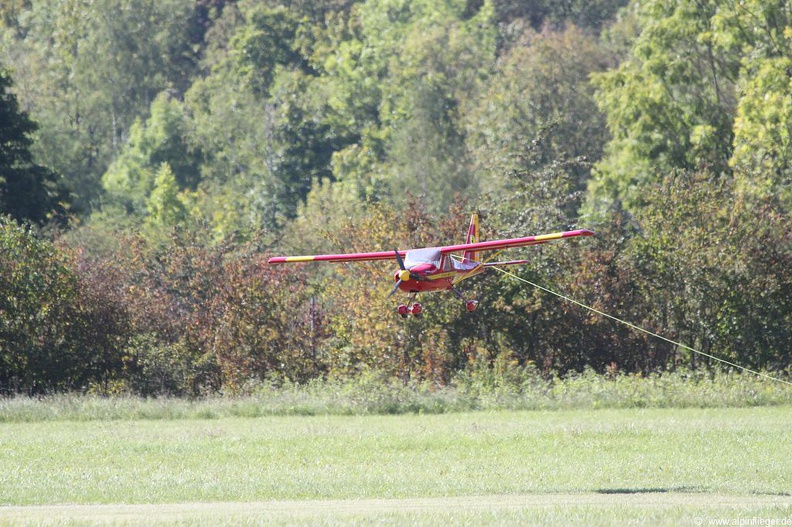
[{"x": 435, "y": 268}]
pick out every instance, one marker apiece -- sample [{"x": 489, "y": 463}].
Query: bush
[
  {"x": 57, "y": 331},
  {"x": 207, "y": 317}
]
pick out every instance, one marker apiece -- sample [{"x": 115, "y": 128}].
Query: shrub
[
  {"x": 206, "y": 317},
  {"x": 57, "y": 331}
]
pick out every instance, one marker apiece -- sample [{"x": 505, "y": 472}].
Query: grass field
[{"x": 602, "y": 467}]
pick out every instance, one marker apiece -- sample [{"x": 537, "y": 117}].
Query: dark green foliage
[
  {"x": 28, "y": 191},
  {"x": 591, "y": 14},
  {"x": 267, "y": 41},
  {"x": 704, "y": 269},
  {"x": 303, "y": 140}
]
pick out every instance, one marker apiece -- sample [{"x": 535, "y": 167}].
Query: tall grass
[{"x": 374, "y": 393}]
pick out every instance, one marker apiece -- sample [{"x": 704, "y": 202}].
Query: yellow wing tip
[{"x": 554, "y": 236}]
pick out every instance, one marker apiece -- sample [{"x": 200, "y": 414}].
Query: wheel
[
  {"x": 471, "y": 305},
  {"x": 403, "y": 310},
  {"x": 416, "y": 309}
]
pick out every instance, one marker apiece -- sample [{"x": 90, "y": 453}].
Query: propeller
[
  {"x": 395, "y": 288},
  {"x": 404, "y": 274},
  {"x": 400, "y": 260}
]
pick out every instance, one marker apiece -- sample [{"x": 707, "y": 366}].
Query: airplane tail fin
[{"x": 472, "y": 237}]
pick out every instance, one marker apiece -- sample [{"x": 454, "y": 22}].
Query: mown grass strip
[
  {"x": 723, "y": 451},
  {"x": 533, "y": 509}
]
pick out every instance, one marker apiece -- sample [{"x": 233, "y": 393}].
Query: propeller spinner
[{"x": 403, "y": 275}]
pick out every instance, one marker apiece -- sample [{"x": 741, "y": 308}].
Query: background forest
[{"x": 154, "y": 153}]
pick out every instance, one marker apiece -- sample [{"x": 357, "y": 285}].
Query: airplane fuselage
[{"x": 431, "y": 271}]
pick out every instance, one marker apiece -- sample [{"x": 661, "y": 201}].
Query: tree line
[{"x": 154, "y": 154}]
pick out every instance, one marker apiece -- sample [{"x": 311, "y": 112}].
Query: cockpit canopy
[{"x": 430, "y": 255}]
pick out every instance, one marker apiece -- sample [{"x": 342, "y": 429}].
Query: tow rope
[{"x": 643, "y": 330}]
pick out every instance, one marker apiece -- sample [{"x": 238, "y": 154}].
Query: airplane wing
[
  {"x": 352, "y": 257},
  {"x": 392, "y": 255},
  {"x": 495, "y": 245}
]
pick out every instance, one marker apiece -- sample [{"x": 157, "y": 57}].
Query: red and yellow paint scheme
[{"x": 437, "y": 268}]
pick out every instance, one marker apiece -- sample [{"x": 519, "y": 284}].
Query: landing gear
[
  {"x": 415, "y": 309},
  {"x": 410, "y": 308},
  {"x": 470, "y": 305}
]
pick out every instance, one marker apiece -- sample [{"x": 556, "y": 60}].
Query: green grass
[
  {"x": 491, "y": 449},
  {"x": 375, "y": 393},
  {"x": 642, "y": 466}
]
